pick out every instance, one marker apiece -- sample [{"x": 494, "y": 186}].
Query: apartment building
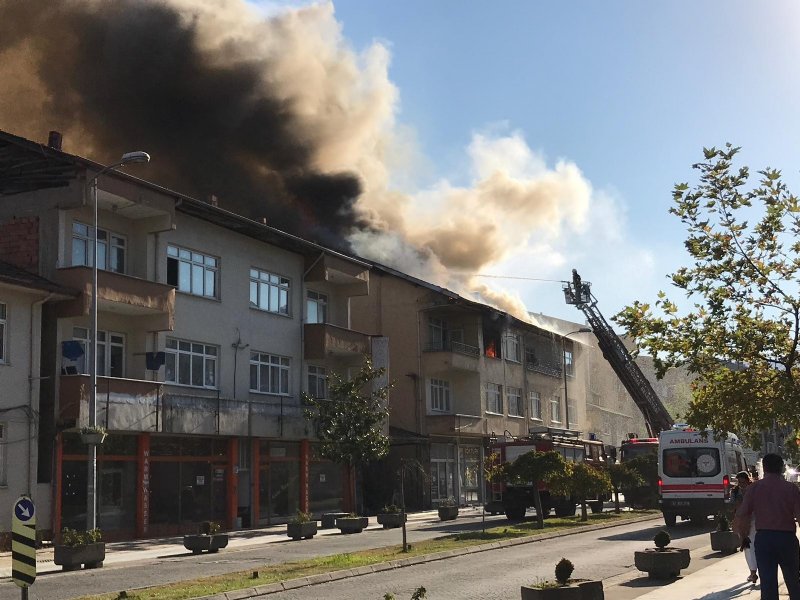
[
  {"x": 210, "y": 326},
  {"x": 464, "y": 373},
  {"x": 22, "y": 296}
]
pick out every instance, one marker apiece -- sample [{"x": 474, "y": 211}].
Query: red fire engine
[{"x": 516, "y": 499}]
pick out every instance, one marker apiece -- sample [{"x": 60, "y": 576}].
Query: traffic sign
[{"x": 23, "y": 542}]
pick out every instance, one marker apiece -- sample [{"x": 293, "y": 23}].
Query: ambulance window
[
  {"x": 733, "y": 464},
  {"x": 741, "y": 461},
  {"x": 691, "y": 462}
]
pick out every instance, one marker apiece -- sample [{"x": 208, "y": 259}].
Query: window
[
  {"x": 535, "y": 401},
  {"x": 512, "y": 348},
  {"x": 316, "y": 307},
  {"x": 110, "y": 352},
  {"x": 110, "y": 248},
  {"x": 555, "y": 409},
  {"x": 691, "y": 462},
  {"x": 494, "y": 401},
  {"x": 3, "y": 343},
  {"x": 436, "y": 331},
  {"x": 568, "y": 363},
  {"x": 269, "y": 373},
  {"x": 269, "y": 292},
  {"x": 191, "y": 363},
  {"x": 317, "y": 382},
  {"x": 514, "y": 401},
  {"x": 3, "y": 446},
  {"x": 192, "y": 272},
  {"x": 440, "y": 395}
]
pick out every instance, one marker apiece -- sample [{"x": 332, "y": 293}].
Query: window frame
[
  {"x": 535, "y": 415},
  {"x": 209, "y": 265},
  {"x": 3, "y": 333},
  {"x": 569, "y": 362},
  {"x": 513, "y": 348},
  {"x": 494, "y": 391},
  {"x": 441, "y": 395},
  {"x": 320, "y": 381},
  {"x": 321, "y": 306},
  {"x": 279, "y": 365},
  {"x": 514, "y": 399},
  {"x": 177, "y": 352},
  {"x": 107, "y": 243},
  {"x": 104, "y": 342},
  {"x": 261, "y": 278},
  {"x": 555, "y": 407}
]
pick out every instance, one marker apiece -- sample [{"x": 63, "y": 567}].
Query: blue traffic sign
[{"x": 24, "y": 509}]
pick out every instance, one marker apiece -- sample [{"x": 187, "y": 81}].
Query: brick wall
[{"x": 19, "y": 242}]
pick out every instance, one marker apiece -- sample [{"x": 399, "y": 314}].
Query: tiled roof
[{"x": 14, "y": 275}]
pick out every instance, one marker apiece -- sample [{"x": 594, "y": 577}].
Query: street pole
[{"x": 91, "y": 479}]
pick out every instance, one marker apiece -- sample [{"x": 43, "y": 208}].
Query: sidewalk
[
  {"x": 723, "y": 580},
  {"x": 135, "y": 550}
]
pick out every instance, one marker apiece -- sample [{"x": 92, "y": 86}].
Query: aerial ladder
[{"x": 656, "y": 417}]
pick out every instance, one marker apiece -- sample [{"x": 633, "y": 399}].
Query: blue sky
[{"x": 629, "y": 92}]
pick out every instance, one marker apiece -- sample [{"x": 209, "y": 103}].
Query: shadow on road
[{"x": 676, "y": 533}]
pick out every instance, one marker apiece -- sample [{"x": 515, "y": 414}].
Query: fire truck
[
  {"x": 634, "y": 447},
  {"x": 645, "y": 496},
  {"x": 516, "y": 499}
]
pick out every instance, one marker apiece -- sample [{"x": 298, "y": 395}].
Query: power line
[{"x": 524, "y": 278}]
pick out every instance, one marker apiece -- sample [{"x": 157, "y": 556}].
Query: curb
[{"x": 291, "y": 584}]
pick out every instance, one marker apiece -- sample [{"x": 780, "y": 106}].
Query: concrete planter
[
  {"x": 70, "y": 558},
  {"x": 298, "y": 531},
  {"x": 662, "y": 564},
  {"x": 352, "y": 524},
  {"x": 574, "y": 590},
  {"x": 328, "y": 520},
  {"x": 726, "y": 542},
  {"x": 448, "y": 513},
  {"x": 391, "y": 520},
  {"x": 202, "y": 542}
]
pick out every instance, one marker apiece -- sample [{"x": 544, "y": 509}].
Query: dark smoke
[{"x": 132, "y": 76}]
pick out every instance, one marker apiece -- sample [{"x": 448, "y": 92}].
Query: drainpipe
[
  {"x": 35, "y": 336},
  {"x": 302, "y": 327}
]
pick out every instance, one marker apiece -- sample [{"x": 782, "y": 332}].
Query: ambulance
[{"x": 695, "y": 471}]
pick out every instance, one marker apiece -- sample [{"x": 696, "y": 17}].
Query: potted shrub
[
  {"x": 78, "y": 548},
  {"x": 391, "y": 517},
  {"x": 352, "y": 523},
  {"x": 93, "y": 434},
  {"x": 662, "y": 562},
  {"x": 301, "y": 527},
  {"x": 723, "y": 539},
  {"x": 564, "y": 587},
  {"x": 209, "y": 539},
  {"x": 448, "y": 509}
]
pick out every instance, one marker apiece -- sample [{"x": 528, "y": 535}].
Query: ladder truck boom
[{"x": 614, "y": 351}]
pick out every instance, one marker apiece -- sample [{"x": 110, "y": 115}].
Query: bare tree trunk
[
  {"x": 584, "y": 514},
  {"x": 537, "y": 499},
  {"x": 616, "y": 500}
]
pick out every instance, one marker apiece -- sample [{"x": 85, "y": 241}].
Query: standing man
[{"x": 776, "y": 506}]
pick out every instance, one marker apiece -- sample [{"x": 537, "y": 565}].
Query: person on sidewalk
[
  {"x": 775, "y": 503},
  {"x": 737, "y": 498}
]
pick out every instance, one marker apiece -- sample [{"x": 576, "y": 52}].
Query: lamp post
[
  {"x": 91, "y": 484},
  {"x": 564, "y": 368}
]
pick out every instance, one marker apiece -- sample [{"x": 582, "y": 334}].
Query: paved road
[
  {"x": 170, "y": 567},
  {"x": 498, "y": 574}
]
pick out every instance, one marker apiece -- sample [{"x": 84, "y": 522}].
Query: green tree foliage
[
  {"x": 645, "y": 494},
  {"x": 351, "y": 420},
  {"x": 739, "y": 330},
  {"x": 532, "y": 468},
  {"x": 581, "y": 482},
  {"x": 622, "y": 477}
]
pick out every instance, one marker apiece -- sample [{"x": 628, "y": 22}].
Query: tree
[
  {"x": 581, "y": 481},
  {"x": 350, "y": 422},
  {"x": 644, "y": 494},
  {"x": 740, "y": 335},
  {"x": 533, "y": 468},
  {"x": 622, "y": 477}
]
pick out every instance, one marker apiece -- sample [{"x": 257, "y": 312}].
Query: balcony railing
[
  {"x": 459, "y": 347},
  {"x": 322, "y": 340},
  {"x": 554, "y": 370},
  {"x": 147, "y": 406}
]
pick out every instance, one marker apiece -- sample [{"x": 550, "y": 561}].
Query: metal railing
[{"x": 458, "y": 347}]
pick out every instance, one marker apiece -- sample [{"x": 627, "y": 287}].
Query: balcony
[
  {"x": 153, "y": 303},
  {"x": 323, "y": 340},
  {"x": 352, "y": 277},
  {"x": 145, "y": 406},
  {"x": 454, "y": 424},
  {"x": 546, "y": 368},
  {"x": 441, "y": 357}
]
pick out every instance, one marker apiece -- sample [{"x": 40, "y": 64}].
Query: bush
[
  {"x": 301, "y": 517},
  {"x": 75, "y": 538},
  {"x": 209, "y": 528},
  {"x": 564, "y": 570},
  {"x": 391, "y": 509},
  {"x": 722, "y": 522},
  {"x": 448, "y": 502},
  {"x": 662, "y": 539}
]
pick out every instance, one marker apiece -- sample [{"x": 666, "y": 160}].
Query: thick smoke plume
[{"x": 280, "y": 118}]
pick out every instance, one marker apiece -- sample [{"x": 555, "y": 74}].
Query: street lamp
[
  {"x": 91, "y": 484},
  {"x": 564, "y": 368}
]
